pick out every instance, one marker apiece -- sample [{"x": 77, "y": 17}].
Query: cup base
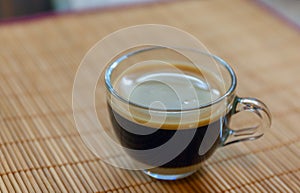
[{"x": 168, "y": 176}]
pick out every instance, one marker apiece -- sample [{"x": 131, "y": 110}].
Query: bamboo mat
[{"x": 41, "y": 150}]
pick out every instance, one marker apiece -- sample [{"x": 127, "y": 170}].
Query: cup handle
[{"x": 252, "y": 105}]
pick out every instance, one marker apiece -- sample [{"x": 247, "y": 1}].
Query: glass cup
[{"x": 171, "y": 108}]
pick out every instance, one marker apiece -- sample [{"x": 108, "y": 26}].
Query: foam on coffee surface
[{"x": 166, "y": 87}]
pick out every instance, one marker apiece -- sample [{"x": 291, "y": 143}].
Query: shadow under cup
[{"x": 170, "y": 108}]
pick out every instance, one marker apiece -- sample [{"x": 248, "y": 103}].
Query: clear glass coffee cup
[{"x": 171, "y": 108}]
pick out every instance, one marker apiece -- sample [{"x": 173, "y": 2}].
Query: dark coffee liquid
[
  {"x": 166, "y": 87},
  {"x": 188, "y": 157}
]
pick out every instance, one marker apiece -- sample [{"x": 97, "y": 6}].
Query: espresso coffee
[{"x": 171, "y": 87}]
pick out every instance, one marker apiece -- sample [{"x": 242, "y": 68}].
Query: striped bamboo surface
[{"x": 41, "y": 150}]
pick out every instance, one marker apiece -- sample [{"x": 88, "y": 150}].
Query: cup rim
[{"x": 114, "y": 64}]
